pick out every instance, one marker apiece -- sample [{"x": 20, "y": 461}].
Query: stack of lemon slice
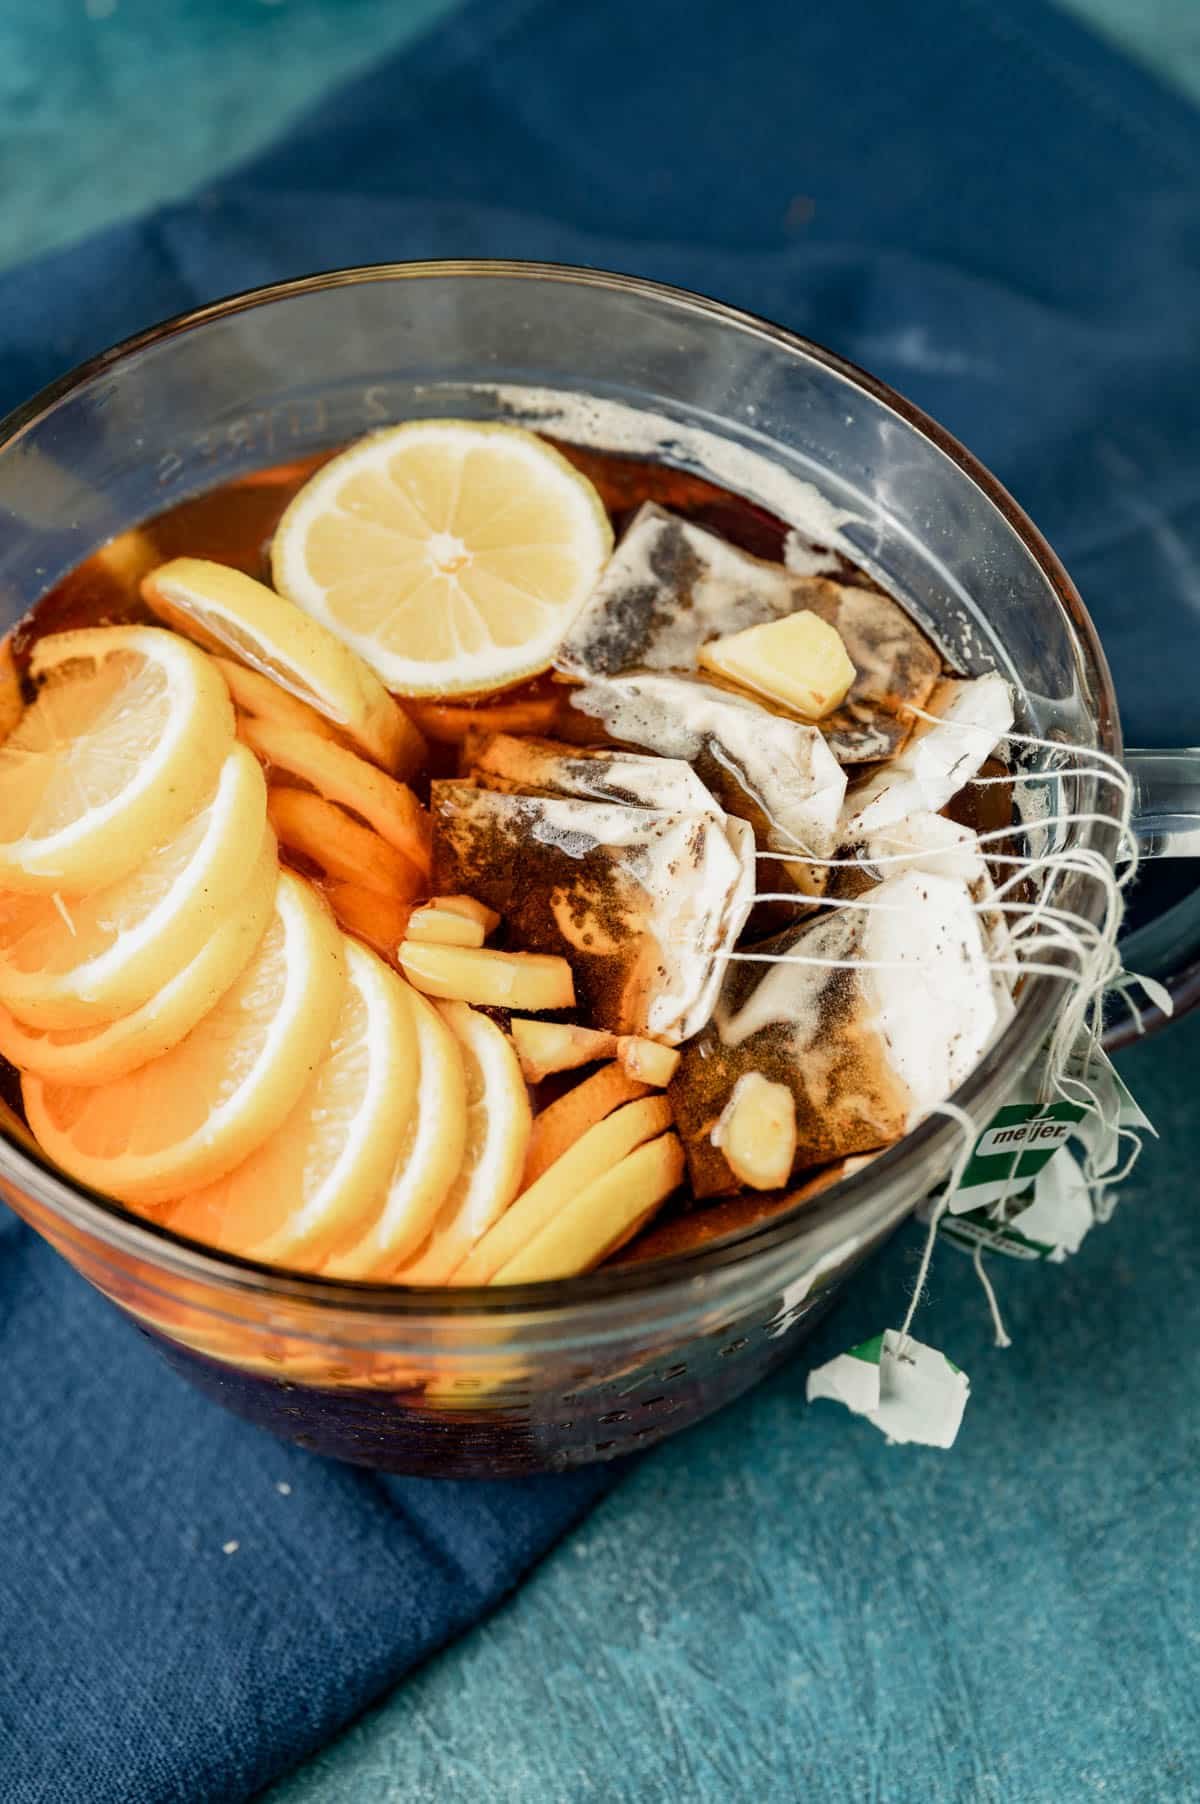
[
  {"x": 209, "y": 1037},
  {"x": 197, "y": 1036}
]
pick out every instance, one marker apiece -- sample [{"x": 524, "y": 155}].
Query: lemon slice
[
  {"x": 193, "y": 1114},
  {"x": 318, "y": 1175},
  {"x": 433, "y": 1138},
  {"x": 499, "y": 1121},
  {"x": 125, "y": 737},
  {"x": 82, "y": 960},
  {"x": 453, "y": 554},
  {"x": 96, "y": 1055},
  {"x": 226, "y": 610}
]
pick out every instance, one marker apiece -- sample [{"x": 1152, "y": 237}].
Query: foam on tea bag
[
  {"x": 670, "y": 586},
  {"x": 643, "y": 902},
  {"x": 971, "y": 717},
  {"x": 774, "y": 772},
  {"x": 545, "y": 767},
  {"x": 871, "y": 1015}
]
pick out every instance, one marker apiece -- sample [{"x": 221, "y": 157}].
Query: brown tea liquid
[{"x": 233, "y": 524}]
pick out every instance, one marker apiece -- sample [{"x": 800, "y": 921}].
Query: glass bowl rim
[{"x": 859, "y": 1204}]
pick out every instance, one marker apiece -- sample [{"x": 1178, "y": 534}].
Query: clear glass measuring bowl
[{"x": 551, "y": 1375}]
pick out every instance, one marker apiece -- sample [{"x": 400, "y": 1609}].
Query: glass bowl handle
[
  {"x": 1165, "y": 946},
  {"x": 1166, "y": 802}
]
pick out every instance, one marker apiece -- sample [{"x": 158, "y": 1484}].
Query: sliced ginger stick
[
  {"x": 467, "y": 906},
  {"x": 340, "y": 775},
  {"x": 546, "y": 1046},
  {"x": 602, "y": 1217},
  {"x": 647, "y": 1060},
  {"x": 256, "y": 695},
  {"x": 324, "y": 833},
  {"x": 596, "y": 1152},
  {"x": 442, "y": 927},
  {"x": 522, "y": 980},
  {"x": 380, "y": 921},
  {"x": 449, "y": 722},
  {"x": 757, "y": 1132},
  {"x": 558, "y": 1128},
  {"x": 12, "y": 702}
]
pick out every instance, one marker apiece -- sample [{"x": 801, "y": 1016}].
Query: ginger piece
[
  {"x": 598, "y": 1151},
  {"x": 546, "y": 1046},
  {"x": 342, "y": 776},
  {"x": 380, "y": 921},
  {"x": 518, "y": 980},
  {"x": 700, "y": 1228},
  {"x": 558, "y": 1127},
  {"x": 443, "y": 927},
  {"x": 487, "y": 917},
  {"x": 647, "y": 1060},
  {"x": 799, "y": 661},
  {"x": 325, "y": 835},
  {"x": 260, "y": 698},
  {"x": 602, "y": 1217},
  {"x": 449, "y": 723},
  {"x": 757, "y": 1132}
]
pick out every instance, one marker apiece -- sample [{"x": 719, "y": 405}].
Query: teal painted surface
[
  {"x": 714, "y": 1632},
  {"x": 108, "y": 107},
  {"x": 722, "y": 1630}
]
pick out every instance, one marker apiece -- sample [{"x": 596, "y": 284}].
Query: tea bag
[
  {"x": 941, "y": 755},
  {"x": 670, "y": 586},
  {"x": 894, "y": 1010},
  {"x": 642, "y": 901},
  {"x": 545, "y": 767},
  {"x": 774, "y": 772},
  {"x": 896, "y": 668}
]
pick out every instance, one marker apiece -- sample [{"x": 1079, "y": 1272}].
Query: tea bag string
[{"x": 957, "y": 1172}]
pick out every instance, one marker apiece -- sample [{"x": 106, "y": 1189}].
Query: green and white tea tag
[
  {"x": 910, "y": 1392},
  {"x": 1061, "y": 1210},
  {"x": 1047, "y": 1220},
  {"x": 1116, "y": 1116},
  {"x": 1023, "y": 1137}
]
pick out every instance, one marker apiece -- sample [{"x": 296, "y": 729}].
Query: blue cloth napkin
[{"x": 977, "y": 201}]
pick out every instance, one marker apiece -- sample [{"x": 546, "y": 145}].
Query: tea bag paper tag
[
  {"x": 1061, "y": 1210},
  {"x": 1024, "y": 1135},
  {"x": 1115, "y": 1109},
  {"x": 912, "y": 1396}
]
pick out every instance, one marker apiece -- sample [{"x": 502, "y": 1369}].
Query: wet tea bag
[
  {"x": 896, "y": 668},
  {"x": 777, "y": 773},
  {"x": 668, "y": 587},
  {"x": 671, "y": 586},
  {"x": 644, "y": 902},
  {"x": 871, "y": 1015},
  {"x": 545, "y": 767},
  {"x": 973, "y": 714}
]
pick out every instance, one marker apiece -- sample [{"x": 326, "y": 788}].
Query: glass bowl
[{"x": 484, "y": 1382}]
